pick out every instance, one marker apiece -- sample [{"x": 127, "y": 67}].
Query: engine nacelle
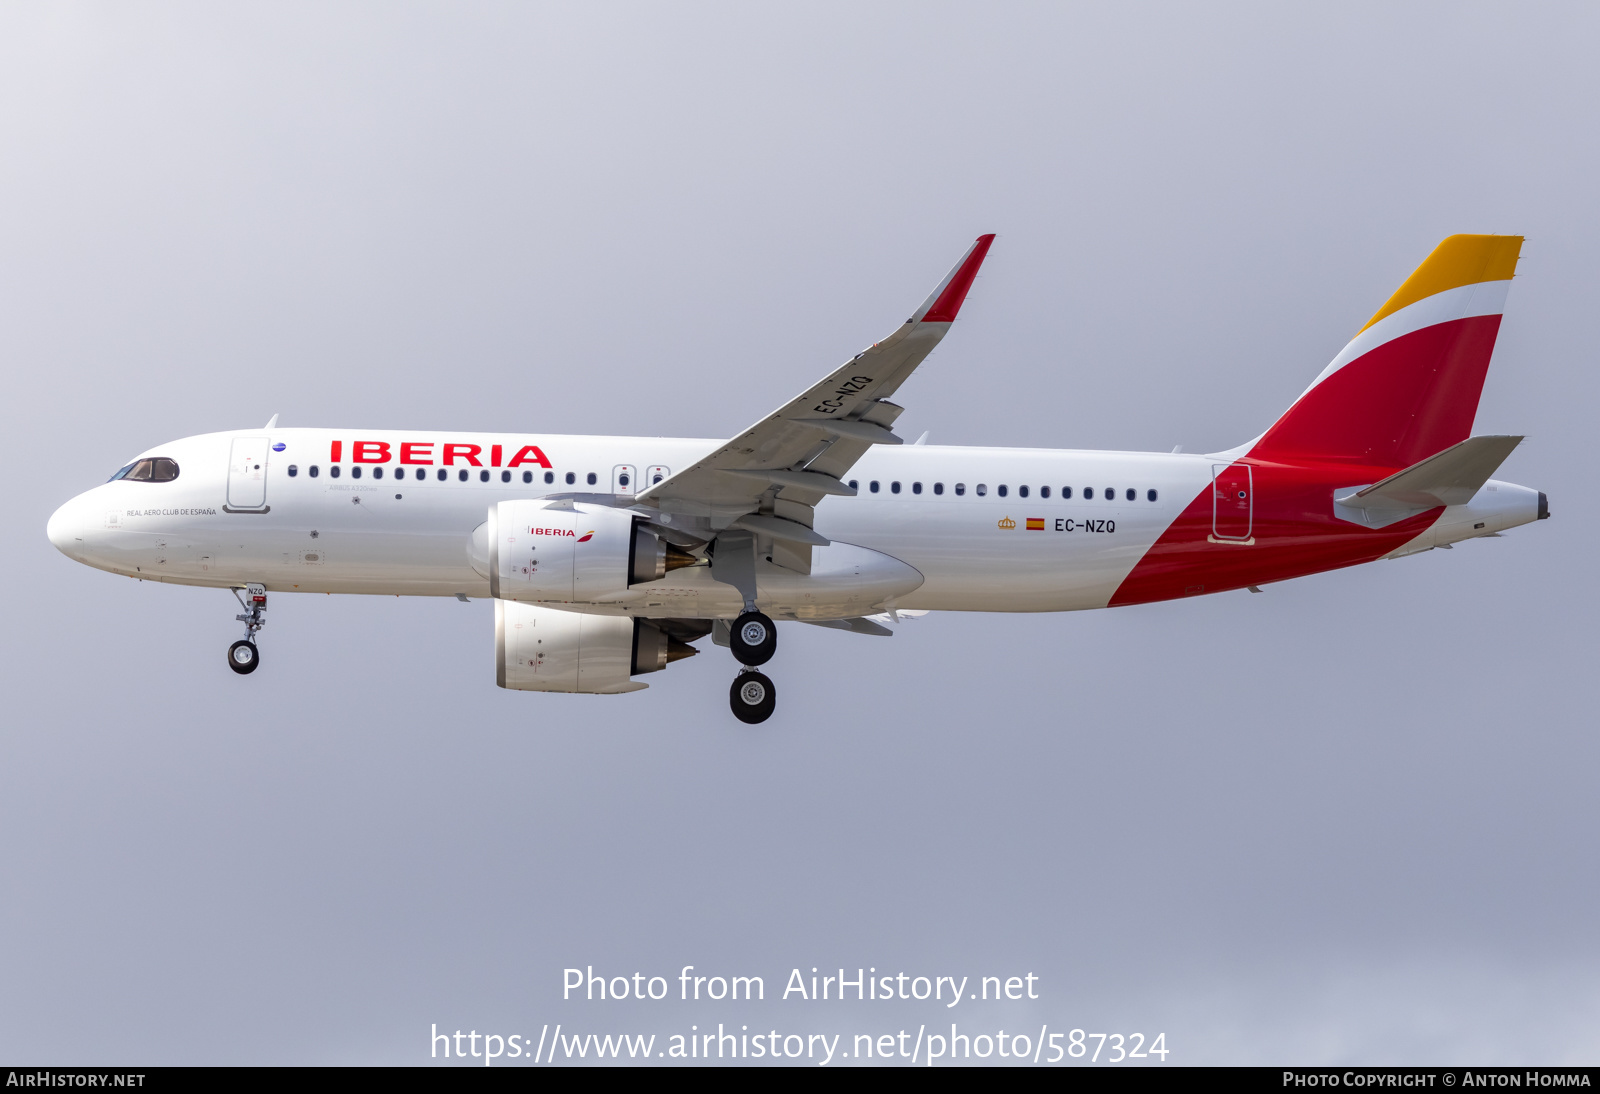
[
  {"x": 559, "y": 553},
  {"x": 547, "y": 649}
]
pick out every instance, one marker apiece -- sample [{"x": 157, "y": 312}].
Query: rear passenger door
[{"x": 1232, "y": 501}]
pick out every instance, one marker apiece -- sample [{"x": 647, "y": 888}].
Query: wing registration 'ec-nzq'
[{"x": 767, "y": 479}]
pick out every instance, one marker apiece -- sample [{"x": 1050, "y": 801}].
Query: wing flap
[{"x": 858, "y": 624}]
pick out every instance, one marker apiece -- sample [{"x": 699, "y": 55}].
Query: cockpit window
[
  {"x": 158, "y": 469},
  {"x": 120, "y": 473}
]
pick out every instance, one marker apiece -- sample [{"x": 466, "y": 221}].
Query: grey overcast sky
[{"x": 1351, "y": 820}]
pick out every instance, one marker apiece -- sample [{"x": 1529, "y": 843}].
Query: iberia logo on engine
[{"x": 585, "y": 538}]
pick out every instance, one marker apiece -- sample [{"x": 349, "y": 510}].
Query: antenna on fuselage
[{"x": 272, "y": 421}]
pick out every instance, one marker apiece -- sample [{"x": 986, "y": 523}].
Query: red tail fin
[{"x": 1407, "y": 385}]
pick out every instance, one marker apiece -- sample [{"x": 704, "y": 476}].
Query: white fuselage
[{"x": 988, "y": 529}]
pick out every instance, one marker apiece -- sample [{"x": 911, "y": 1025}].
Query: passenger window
[
  {"x": 1111, "y": 494},
  {"x": 1151, "y": 494},
  {"x": 421, "y": 474},
  {"x": 1088, "y": 493},
  {"x": 873, "y": 486},
  {"x": 590, "y": 478},
  {"x": 622, "y": 480},
  {"x": 483, "y": 476},
  {"x": 855, "y": 484},
  {"x": 982, "y": 489},
  {"x": 293, "y": 471},
  {"x": 549, "y": 477},
  {"x": 961, "y": 488},
  {"x": 916, "y": 488},
  {"x": 894, "y": 488},
  {"x": 442, "y": 474},
  {"x": 505, "y": 476},
  {"x": 1001, "y": 490},
  {"x": 355, "y": 472},
  {"x": 313, "y": 471},
  {"x": 1066, "y": 493},
  {"x": 571, "y": 478},
  {"x": 333, "y": 472},
  {"x": 938, "y": 488},
  {"x": 1044, "y": 491},
  {"x": 1022, "y": 491},
  {"x": 527, "y": 476},
  {"x": 377, "y": 473},
  {"x": 462, "y": 474}
]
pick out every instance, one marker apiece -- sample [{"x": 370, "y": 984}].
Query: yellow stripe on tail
[{"x": 1459, "y": 260}]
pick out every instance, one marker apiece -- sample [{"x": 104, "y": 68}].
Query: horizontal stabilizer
[{"x": 1450, "y": 477}]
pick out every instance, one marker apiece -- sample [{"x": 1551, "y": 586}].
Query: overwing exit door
[
  {"x": 1232, "y": 501},
  {"x": 247, "y": 474},
  {"x": 624, "y": 479}
]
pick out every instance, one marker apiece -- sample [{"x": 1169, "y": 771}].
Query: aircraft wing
[{"x": 767, "y": 479}]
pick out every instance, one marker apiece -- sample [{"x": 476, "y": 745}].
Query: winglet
[{"x": 946, "y": 300}]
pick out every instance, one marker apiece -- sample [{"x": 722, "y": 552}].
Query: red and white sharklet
[{"x": 819, "y": 513}]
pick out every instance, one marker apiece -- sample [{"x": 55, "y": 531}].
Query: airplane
[{"x": 607, "y": 557}]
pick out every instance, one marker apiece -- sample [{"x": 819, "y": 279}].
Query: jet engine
[
  {"x": 559, "y": 553},
  {"x": 547, "y": 649}
]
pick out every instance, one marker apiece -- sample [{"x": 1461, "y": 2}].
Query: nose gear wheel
[{"x": 243, "y": 657}]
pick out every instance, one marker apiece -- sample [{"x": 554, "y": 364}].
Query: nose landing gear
[{"x": 243, "y": 657}]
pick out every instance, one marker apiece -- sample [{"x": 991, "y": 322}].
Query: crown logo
[{"x": 1007, "y": 523}]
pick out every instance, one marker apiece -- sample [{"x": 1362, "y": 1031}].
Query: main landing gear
[
  {"x": 753, "y": 639},
  {"x": 752, "y": 697},
  {"x": 243, "y": 657}
]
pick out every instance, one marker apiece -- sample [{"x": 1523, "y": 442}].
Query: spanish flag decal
[{"x": 1035, "y": 524}]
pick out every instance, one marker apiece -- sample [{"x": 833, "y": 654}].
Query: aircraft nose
[{"x": 66, "y": 529}]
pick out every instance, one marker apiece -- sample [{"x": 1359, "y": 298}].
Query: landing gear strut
[
  {"x": 752, "y": 697},
  {"x": 243, "y": 657}
]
